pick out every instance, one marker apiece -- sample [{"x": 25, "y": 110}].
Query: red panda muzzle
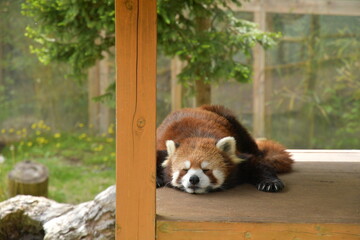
[{"x": 194, "y": 179}]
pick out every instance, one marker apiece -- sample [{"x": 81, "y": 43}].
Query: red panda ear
[
  {"x": 171, "y": 147},
  {"x": 228, "y": 145}
]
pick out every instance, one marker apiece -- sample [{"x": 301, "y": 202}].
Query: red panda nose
[{"x": 194, "y": 180}]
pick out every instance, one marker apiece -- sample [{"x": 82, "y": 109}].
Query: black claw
[
  {"x": 270, "y": 185},
  {"x": 159, "y": 182}
]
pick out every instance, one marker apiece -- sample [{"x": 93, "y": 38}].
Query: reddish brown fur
[
  {"x": 204, "y": 121},
  {"x": 195, "y": 133},
  {"x": 275, "y": 155}
]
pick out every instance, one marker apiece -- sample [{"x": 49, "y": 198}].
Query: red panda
[{"x": 206, "y": 149}]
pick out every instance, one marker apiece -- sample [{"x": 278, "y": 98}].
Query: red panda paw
[{"x": 270, "y": 185}]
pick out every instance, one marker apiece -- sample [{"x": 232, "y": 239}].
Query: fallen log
[{"x": 27, "y": 217}]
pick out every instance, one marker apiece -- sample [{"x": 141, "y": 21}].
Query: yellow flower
[
  {"x": 112, "y": 154},
  {"x": 98, "y": 148},
  {"x": 33, "y": 126},
  {"x": 24, "y": 132},
  {"x": 11, "y": 130},
  {"x": 58, "y": 145},
  {"x": 57, "y": 135},
  {"x": 109, "y": 140},
  {"x": 111, "y": 129},
  {"x": 38, "y": 133},
  {"x": 41, "y": 140},
  {"x": 29, "y": 144},
  {"x": 81, "y": 125},
  {"x": 82, "y": 136},
  {"x": 3, "y": 130},
  {"x": 18, "y": 132},
  {"x": 41, "y": 124}
]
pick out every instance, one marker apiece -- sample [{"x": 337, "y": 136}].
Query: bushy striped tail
[{"x": 275, "y": 155}]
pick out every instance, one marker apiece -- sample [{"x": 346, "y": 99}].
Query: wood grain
[
  {"x": 136, "y": 113},
  {"x": 257, "y": 231},
  {"x": 314, "y": 193}
]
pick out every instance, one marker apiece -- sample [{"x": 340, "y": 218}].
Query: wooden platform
[{"x": 322, "y": 197}]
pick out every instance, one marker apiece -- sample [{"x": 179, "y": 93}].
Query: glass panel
[
  {"x": 312, "y": 83},
  {"x": 313, "y": 76}
]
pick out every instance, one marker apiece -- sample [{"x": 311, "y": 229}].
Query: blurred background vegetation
[{"x": 48, "y": 113}]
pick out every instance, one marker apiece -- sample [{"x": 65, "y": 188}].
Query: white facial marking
[
  {"x": 219, "y": 176},
  {"x": 189, "y": 190},
  {"x": 204, "y": 181},
  {"x": 175, "y": 176},
  {"x": 200, "y": 190},
  {"x": 204, "y": 164},
  {"x": 187, "y": 164}
]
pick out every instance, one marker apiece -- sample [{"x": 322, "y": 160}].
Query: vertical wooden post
[
  {"x": 259, "y": 78},
  {"x": 93, "y": 91},
  {"x": 98, "y": 81},
  {"x": 136, "y": 115},
  {"x": 104, "y": 82},
  {"x": 202, "y": 89},
  {"x": 176, "y": 88},
  {"x": 311, "y": 77}
]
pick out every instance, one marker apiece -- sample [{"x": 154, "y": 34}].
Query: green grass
[{"x": 80, "y": 165}]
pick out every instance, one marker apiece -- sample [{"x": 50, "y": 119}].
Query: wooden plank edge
[
  {"x": 177, "y": 230},
  {"x": 324, "y": 155}
]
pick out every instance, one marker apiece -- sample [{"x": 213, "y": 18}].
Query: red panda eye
[
  {"x": 185, "y": 170},
  {"x": 206, "y": 170}
]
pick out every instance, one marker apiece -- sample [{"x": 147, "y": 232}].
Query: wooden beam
[
  {"x": 136, "y": 115},
  {"x": 177, "y": 230},
  {"x": 319, "y": 7},
  {"x": 259, "y": 97}
]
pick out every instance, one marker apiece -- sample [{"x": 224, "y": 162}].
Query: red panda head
[{"x": 200, "y": 165}]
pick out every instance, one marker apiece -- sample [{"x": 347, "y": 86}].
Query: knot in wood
[
  {"x": 140, "y": 122},
  {"x": 129, "y": 4}
]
